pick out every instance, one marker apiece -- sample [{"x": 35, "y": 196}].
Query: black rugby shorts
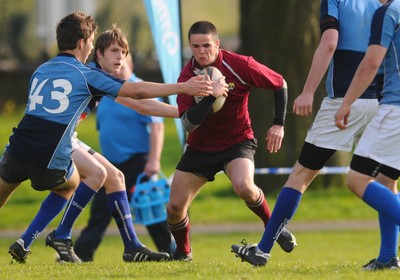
[
  {"x": 207, "y": 164},
  {"x": 15, "y": 171}
]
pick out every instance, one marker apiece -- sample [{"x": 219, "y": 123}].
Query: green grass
[{"x": 320, "y": 255}]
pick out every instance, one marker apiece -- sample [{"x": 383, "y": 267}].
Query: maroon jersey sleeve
[{"x": 263, "y": 77}]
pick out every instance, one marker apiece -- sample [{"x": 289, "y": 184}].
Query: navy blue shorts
[
  {"x": 15, "y": 171},
  {"x": 207, "y": 164}
]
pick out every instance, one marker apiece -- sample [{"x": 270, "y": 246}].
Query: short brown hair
[
  {"x": 72, "y": 28},
  {"x": 107, "y": 38},
  {"x": 203, "y": 27}
]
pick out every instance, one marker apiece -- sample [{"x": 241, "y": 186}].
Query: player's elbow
[
  {"x": 132, "y": 90},
  {"x": 187, "y": 125}
]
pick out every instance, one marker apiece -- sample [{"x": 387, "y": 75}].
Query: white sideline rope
[{"x": 287, "y": 170}]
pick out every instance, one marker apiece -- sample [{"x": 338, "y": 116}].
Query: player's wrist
[{"x": 279, "y": 121}]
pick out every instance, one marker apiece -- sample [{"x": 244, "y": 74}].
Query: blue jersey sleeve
[{"x": 384, "y": 25}]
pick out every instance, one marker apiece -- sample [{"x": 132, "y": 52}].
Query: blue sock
[
  {"x": 382, "y": 200},
  {"x": 389, "y": 232},
  {"x": 398, "y": 195},
  {"x": 50, "y": 208},
  {"x": 119, "y": 208},
  {"x": 284, "y": 209},
  {"x": 77, "y": 203}
]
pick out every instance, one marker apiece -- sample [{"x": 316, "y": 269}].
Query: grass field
[{"x": 320, "y": 255}]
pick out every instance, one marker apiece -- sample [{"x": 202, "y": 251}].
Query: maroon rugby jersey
[{"x": 232, "y": 124}]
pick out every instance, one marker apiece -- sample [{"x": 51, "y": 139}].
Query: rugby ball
[{"x": 214, "y": 74}]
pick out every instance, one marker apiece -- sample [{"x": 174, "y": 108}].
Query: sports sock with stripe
[
  {"x": 119, "y": 208},
  {"x": 261, "y": 208},
  {"x": 180, "y": 231},
  {"x": 284, "y": 209},
  {"x": 50, "y": 208},
  {"x": 77, "y": 203}
]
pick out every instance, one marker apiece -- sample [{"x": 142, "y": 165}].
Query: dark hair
[
  {"x": 72, "y": 28},
  {"x": 203, "y": 27},
  {"x": 107, "y": 38}
]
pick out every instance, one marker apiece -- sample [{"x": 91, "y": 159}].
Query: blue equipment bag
[{"x": 150, "y": 199}]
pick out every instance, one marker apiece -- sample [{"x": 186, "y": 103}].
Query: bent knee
[
  {"x": 244, "y": 188},
  {"x": 174, "y": 211},
  {"x": 99, "y": 175},
  {"x": 115, "y": 179}
]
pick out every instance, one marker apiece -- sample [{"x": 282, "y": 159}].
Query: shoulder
[
  {"x": 186, "y": 73},
  {"x": 235, "y": 61},
  {"x": 228, "y": 55}
]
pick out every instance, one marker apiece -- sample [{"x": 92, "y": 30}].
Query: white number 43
[{"x": 60, "y": 96}]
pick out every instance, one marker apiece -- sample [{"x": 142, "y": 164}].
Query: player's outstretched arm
[
  {"x": 196, "y": 86},
  {"x": 150, "y": 107}
]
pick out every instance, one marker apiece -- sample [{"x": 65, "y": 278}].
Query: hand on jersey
[
  {"x": 274, "y": 138},
  {"x": 303, "y": 104}
]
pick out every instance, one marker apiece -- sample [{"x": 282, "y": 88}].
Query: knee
[
  {"x": 119, "y": 176},
  {"x": 115, "y": 179},
  {"x": 99, "y": 175},
  {"x": 246, "y": 189},
  {"x": 174, "y": 212}
]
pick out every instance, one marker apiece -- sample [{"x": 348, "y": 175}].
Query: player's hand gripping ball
[{"x": 214, "y": 75}]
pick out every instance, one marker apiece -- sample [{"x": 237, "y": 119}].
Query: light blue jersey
[
  {"x": 385, "y": 32},
  {"x": 123, "y": 132},
  {"x": 59, "y": 92},
  {"x": 354, "y": 17}
]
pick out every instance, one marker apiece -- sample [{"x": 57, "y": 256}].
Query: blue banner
[{"x": 164, "y": 20}]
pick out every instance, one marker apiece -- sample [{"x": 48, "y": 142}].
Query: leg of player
[
  {"x": 89, "y": 239},
  {"x": 162, "y": 237},
  {"x": 50, "y": 208},
  {"x": 92, "y": 175},
  {"x": 244, "y": 187},
  {"x": 118, "y": 205},
  {"x": 6, "y": 190},
  {"x": 184, "y": 188},
  {"x": 284, "y": 209},
  {"x": 389, "y": 231}
]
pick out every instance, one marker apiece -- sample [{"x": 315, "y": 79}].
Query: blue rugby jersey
[
  {"x": 385, "y": 32},
  {"x": 123, "y": 132},
  {"x": 59, "y": 92},
  {"x": 354, "y": 17}
]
